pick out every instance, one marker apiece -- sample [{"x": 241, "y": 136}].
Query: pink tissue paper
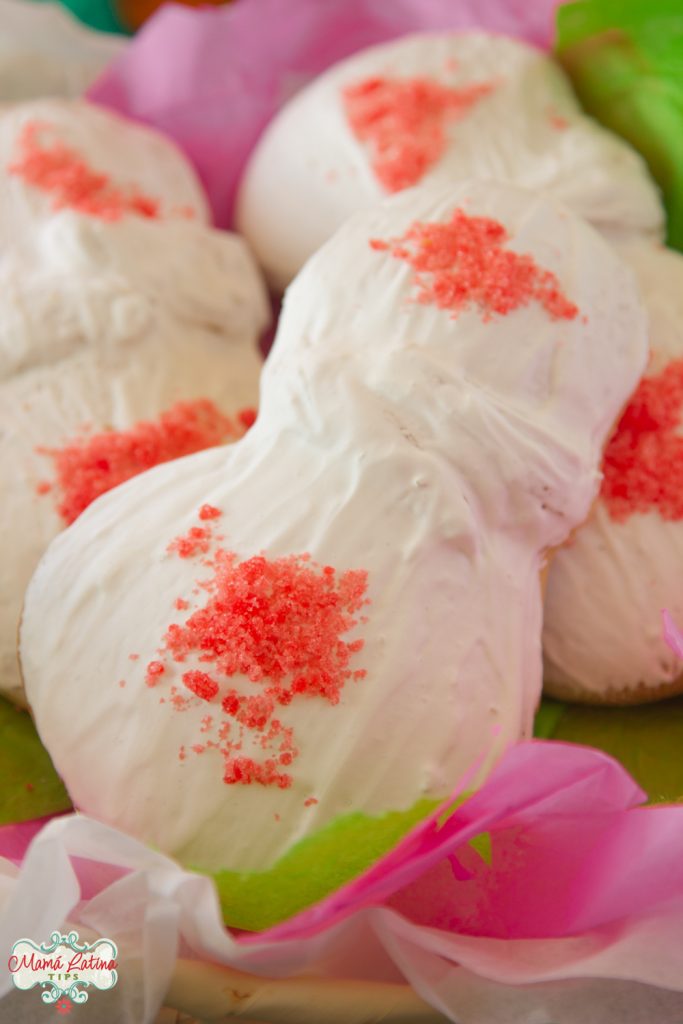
[{"x": 575, "y": 881}]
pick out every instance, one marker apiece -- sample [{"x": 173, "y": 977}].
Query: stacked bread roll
[
  {"x": 118, "y": 302},
  {"x": 426, "y": 109},
  {"x": 435, "y": 108},
  {"x": 339, "y": 617},
  {"x": 606, "y": 590}
]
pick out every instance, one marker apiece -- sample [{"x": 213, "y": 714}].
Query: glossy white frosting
[
  {"x": 442, "y": 455},
  {"x": 309, "y": 172},
  {"x": 45, "y": 51},
  {"x": 606, "y": 590},
  {"x": 106, "y": 324}
]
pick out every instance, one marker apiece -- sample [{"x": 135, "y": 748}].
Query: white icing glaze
[
  {"x": 443, "y": 455},
  {"x": 45, "y": 51},
  {"x": 309, "y": 172},
  {"x": 105, "y": 324},
  {"x": 606, "y": 589},
  {"x": 130, "y": 154}
]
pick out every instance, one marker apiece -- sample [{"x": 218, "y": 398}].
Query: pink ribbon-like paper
[{"x": 576, "y": 883}]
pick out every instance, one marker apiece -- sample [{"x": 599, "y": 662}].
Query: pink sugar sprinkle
[
  {"x": 247, "y": 417},
  {"x": 186, "y": 212},
  {"x": 196, "y": 541},
  {"x": 209, "y": 512},
  {"x": 277, "y": 619},
  {"x": 244, "y": 771},
  {"x": 88, "y": 467},
  {"x": 201, "y": 684},
  {"x": 462, "y": 263},
  {"x": 61, "y": 172},
  {"x": 155, "y": 670},
  {"x": 558, "y": 122},
  {"x": 403, "y": 122},
  {"x": 280, "y": 623},
  {"x": 643, "y": 462},
  {"x": 179, "y": 702}
]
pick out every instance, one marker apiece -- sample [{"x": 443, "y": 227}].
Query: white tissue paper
[{"x": 353, "y": 973}]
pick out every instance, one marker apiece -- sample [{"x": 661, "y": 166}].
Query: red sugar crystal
[
  {"x": 88, "y": 467},
  {"x": 643, "y": 462},
  {"x": 179, "y": 701},
  {"x": 61, "y": 172},
  {"x": 403, "y": 122},
  {"x": 463, "y": 263},
  {"x": 155, "y": 669},
  {"x": 311, "y": 802},
  {"x": 247, "y": 417},
  {"x": 558, "y": 122},
  {"x": 209, "y": 512},
  {"x": 184, "y": 211},
  {"x": 253, "y": 712},
  {"x": 231, "y": 703},
  {"x": 196, "y": 541},
  {"x": 201, "y": 684},
  {"x": 244, "y": 771}
]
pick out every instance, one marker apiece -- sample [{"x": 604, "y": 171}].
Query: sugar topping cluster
[
  {"x": 88, "y": 466},
  {"x": 280, "y": 624},
  {"x": 643, "y": 463},
  {"x": 65, "y": 175},
  {"x": 403, "y": 121},
  {"x": 462, "y": 262}
]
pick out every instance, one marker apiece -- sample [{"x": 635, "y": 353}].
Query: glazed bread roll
[
  {"x": 428, "y": 109},
  {"x": 108, "y": 317},
  {"x": 309, "y": 637},
  {"x": 602, "y": 633}
]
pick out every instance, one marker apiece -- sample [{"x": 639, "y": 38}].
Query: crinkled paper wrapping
[
  {"x": 213, "y": 79},
  {"x": 571, "y": 912},
  {"x": 45, "y": 51},
  {"x": 672, "y": 634}
]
